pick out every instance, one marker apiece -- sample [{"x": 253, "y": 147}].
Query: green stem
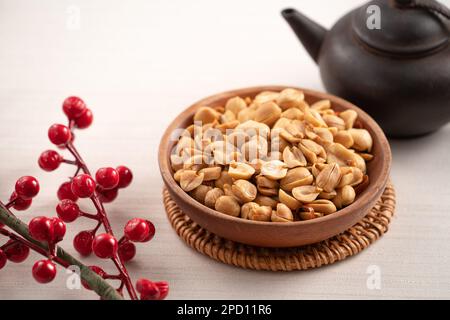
[{"x": 95, "y": 282}]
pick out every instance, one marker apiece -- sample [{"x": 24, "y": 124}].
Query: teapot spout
[{"x": 310, "y": 33}]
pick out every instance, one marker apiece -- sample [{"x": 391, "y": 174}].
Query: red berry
[
  {"x": 68, "y": 210},
  {"x": 73, "y": 107},
  {"x": 59, "y": 229},
  {"x": 83, "y": 186},
  {"x": 163, "y": 287},
  {"x": 40, "y": 228},
  {"x": 107, "y": 196},
  {"x": 107, "y": 178},
  {"x": 98, "y": 271},
  {"x": 151, "y": 234},
  {"x": 85, "y": 120},
  {"x": 125, "y": 176},
  {"x": 16, "y": 251},
  {"x": 50, "y": 160},
  {"x": 27, "y": 187},
  {"x": 19, "y": 203},
  {"x": 65, "y": 192},
  {"x": 148, "y": 289},
  {"x": 127, "y": 251},
  {"x": 59, "y": 134},
  {"x": 139, "y": 230},
  {"x": 83, "y": 242},
  {"x": 105, "y": 246},
  {"x": 44, "y": 271},
  {"x": 3, "y": 259}
]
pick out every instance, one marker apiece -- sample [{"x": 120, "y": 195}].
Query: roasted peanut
[
  {"x": 212, "y": 196},
  {"x": 288, "y": 200},
  {"x": 266, "y": 201},
  {"x": 345, "y": 138},
  {"x": 266, "y": 186},
  {"x": 244, "y": 191},
  {"x": 211, "y": 173},
  {"x": 295, "y": 178},
  {"x": 206, "y": 115},
  {"x": 323, "y": 206},
  {"x": 266, "y": 96},
  {"x": 321, "y": 105},
  {"x": 329, "y": 177},
  {"x": 275, "y": 169},
  {"x": 334, "y": 121},
  {"x": 349, "y": 117},
  {"x": 306, "y": 194},
  {"x": 268, "y": 113},
  {"x": 314, "y": 118},
  {"x": 228, "y": 205},
  {"x": 254, "y": 128},
  {"x": 246, "y": 115},
  {"x": 293, "y": 157},
  {"x": 248, "y": 209},
  {"x": 238, "y": 170},
  {"x": 261, "y": 213},
  {"x": 235, "y": 105},
  {"x": 224, "y": 179},
  {"x": 290, "y": 98},
  {"x": 200, "y": 192},
  {"x": 344, "y": 197},
  {"x": 189, "y": 180},
  {"x": 307, "y": 213},
  {"x": 293, "y": 114},
  {"x": 282, "y": 214},
  {"x": 362, "y": 139}
]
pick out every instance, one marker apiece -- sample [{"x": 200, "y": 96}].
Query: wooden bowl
[{"x": 271, "y": 234}]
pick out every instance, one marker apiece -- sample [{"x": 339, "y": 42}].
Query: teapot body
[{"x": 408, "y": 96}]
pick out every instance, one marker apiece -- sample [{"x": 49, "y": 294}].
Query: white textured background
[{"x": 138, "y": 64}]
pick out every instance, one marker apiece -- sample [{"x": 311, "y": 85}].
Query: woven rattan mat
[{"x": 335, "y": 249}]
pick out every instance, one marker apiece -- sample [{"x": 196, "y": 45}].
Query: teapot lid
[{"x": 403, "y": 27}]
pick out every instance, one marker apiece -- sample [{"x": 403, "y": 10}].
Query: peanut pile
[{"x": 273, "y": 158}]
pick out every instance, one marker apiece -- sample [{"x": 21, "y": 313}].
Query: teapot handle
[{"x": 430, "y": 5}]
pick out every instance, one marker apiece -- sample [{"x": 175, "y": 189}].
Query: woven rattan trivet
[{"x": 347, "y": 244}]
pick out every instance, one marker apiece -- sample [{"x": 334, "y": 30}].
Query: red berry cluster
[
  {"x": 26, "y": 189},
  {"x": 101, "y": 188},
  {"x": 51, "y": 230}
]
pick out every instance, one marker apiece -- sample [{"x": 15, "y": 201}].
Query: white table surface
[{"x": 138, "y": 64}]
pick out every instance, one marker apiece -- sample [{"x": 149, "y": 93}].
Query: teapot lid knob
[
  {"x": 406, "y": 27},
  {"x": 403, "y": 2}
]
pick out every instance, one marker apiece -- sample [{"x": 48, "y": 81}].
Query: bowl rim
[{"x": 367, "y": 195}]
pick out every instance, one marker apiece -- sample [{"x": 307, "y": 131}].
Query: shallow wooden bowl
[{"x": 270, "y": 234}]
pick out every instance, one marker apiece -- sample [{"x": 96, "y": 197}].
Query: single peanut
[
  {"x": 228, "y": 205},
  {"x": 306, "y": 194},
  {"x": 282, "y": 214},
  {"x": 189, "y": 180},
  {"x": 235, "y": 105},
  {"x": 288, "y": 200},
  {"x": 266, "y": 186},
  {"x": 212, "y": 196},
  {"x": 239, "y": 170},
  {"x": 244, "y": 191},
  {"x": 206, "y": 115}
]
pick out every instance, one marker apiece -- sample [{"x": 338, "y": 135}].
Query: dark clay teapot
[{"x": 389, "y": 57}]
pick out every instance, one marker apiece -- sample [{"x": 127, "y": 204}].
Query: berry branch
[
  {"x": 20, "y": 242},
  {"x": 103, "y": 189}
]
